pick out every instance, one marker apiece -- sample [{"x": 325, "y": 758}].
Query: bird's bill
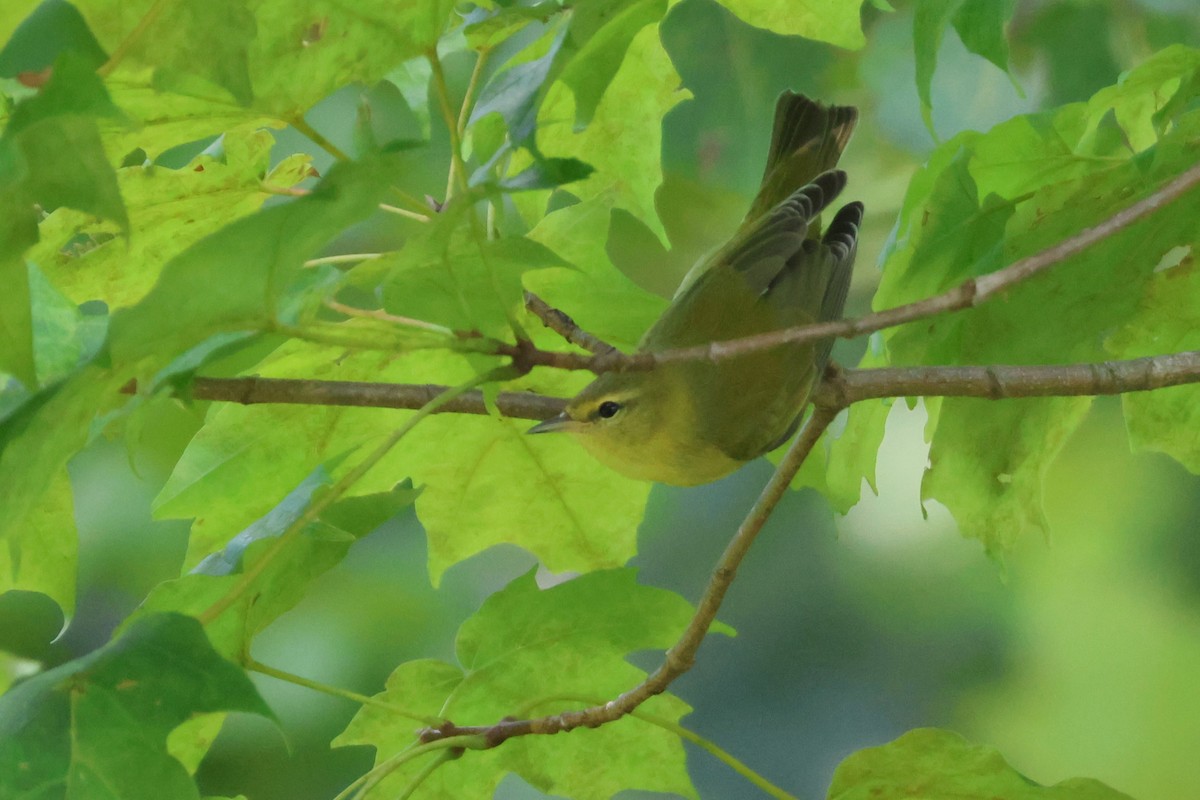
[{"x": 559, "y": 422}]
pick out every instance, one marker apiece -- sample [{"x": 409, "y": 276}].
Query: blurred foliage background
[{"x": 1077, "y": 656}]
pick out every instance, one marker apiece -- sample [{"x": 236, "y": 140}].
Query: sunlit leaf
[{"x": 834, "y": 22}]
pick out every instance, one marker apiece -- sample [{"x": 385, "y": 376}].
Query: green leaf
[
  {"x": 236, "y": 279},
  {"x": 600, "y": 33},
  {"x": 16, "y": 318},
  {"x": 547, "y": 173},
  {"x": 36, "y": 505},
  {"x": 963, "y": 216},
  {"x": 598, "y": 297},
  {"x": 1167, "y": 321},
  {"x": 63, "y": 337},
  {"x": 163, "y": 119},
  {"x": 530, "y": 652},
  {"x": 13, "y": 14},
  {"x": 833, "y": 22},
  {"x": 306, "y": 49},
  {"x": 644, "y": 89},
  {"x": 516, "y": 92},
  {"x": 930, "y": 19},
  {"x": 852, "y": 453},
  {"x": 285, "y": 580},
  {"x": 451, "y": 275},
  {"x": 486, "y": 28},
  {"x": 210, "y": 40},
  {"x": 171, "y": 210},
  {"x": 50, "y": 152},
  {"x": 980, "y": 25},
  {"x": 934, "y": 763},
  {"x": 470, "y": 500},
  {"x": 97, "y": 726}
]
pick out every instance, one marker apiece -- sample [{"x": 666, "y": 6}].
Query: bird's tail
[{"x": 808, "y": 140}]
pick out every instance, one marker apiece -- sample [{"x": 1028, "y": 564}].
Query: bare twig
[
  {"x": 681, "y": 656},
  {"x": 565, "y": 327}
]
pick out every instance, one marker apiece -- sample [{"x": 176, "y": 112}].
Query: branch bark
[{"x": 841, "y": 387}]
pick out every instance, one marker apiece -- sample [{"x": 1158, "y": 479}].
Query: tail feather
[{"x": 807, "y": 140}]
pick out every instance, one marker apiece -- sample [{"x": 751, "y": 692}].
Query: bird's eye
[{"x": 608, "y": 409}]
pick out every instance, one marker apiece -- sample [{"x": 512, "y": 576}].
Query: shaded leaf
[
  {"x": 97, "y": 726},
  {"x": 53, "y": 28}
]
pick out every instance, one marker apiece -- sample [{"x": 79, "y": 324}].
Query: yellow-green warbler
[{"x": 691, "y": 422}]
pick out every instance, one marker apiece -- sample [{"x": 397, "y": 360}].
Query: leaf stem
[
  {"x": 371, "y": 779},
  {"x": 335, "y": 691},
  {"x": 149, "y": 18},
  {"x": 301, "y": 124},
  {"x": 464, "y": 111},
  {"x": 343, "y": 258},
  {"x": 457, "y": 179},
  {"x": 404, "y": 212},
  {"x": 383, "y": 316}
]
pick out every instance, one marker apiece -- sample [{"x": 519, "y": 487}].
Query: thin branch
[
  {"x": 681, "y": 656},
  {"x": 841, "y": 387},
  {"x": 1011, "y": 382},
  {"x": 968, "y": 294},
  {"x": 565, "y": 327}
]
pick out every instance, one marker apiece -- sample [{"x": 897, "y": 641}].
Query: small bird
[{"x": 692, "y": 422}]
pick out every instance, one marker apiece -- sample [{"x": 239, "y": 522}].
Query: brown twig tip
[{"x": 562, "y": 324}]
